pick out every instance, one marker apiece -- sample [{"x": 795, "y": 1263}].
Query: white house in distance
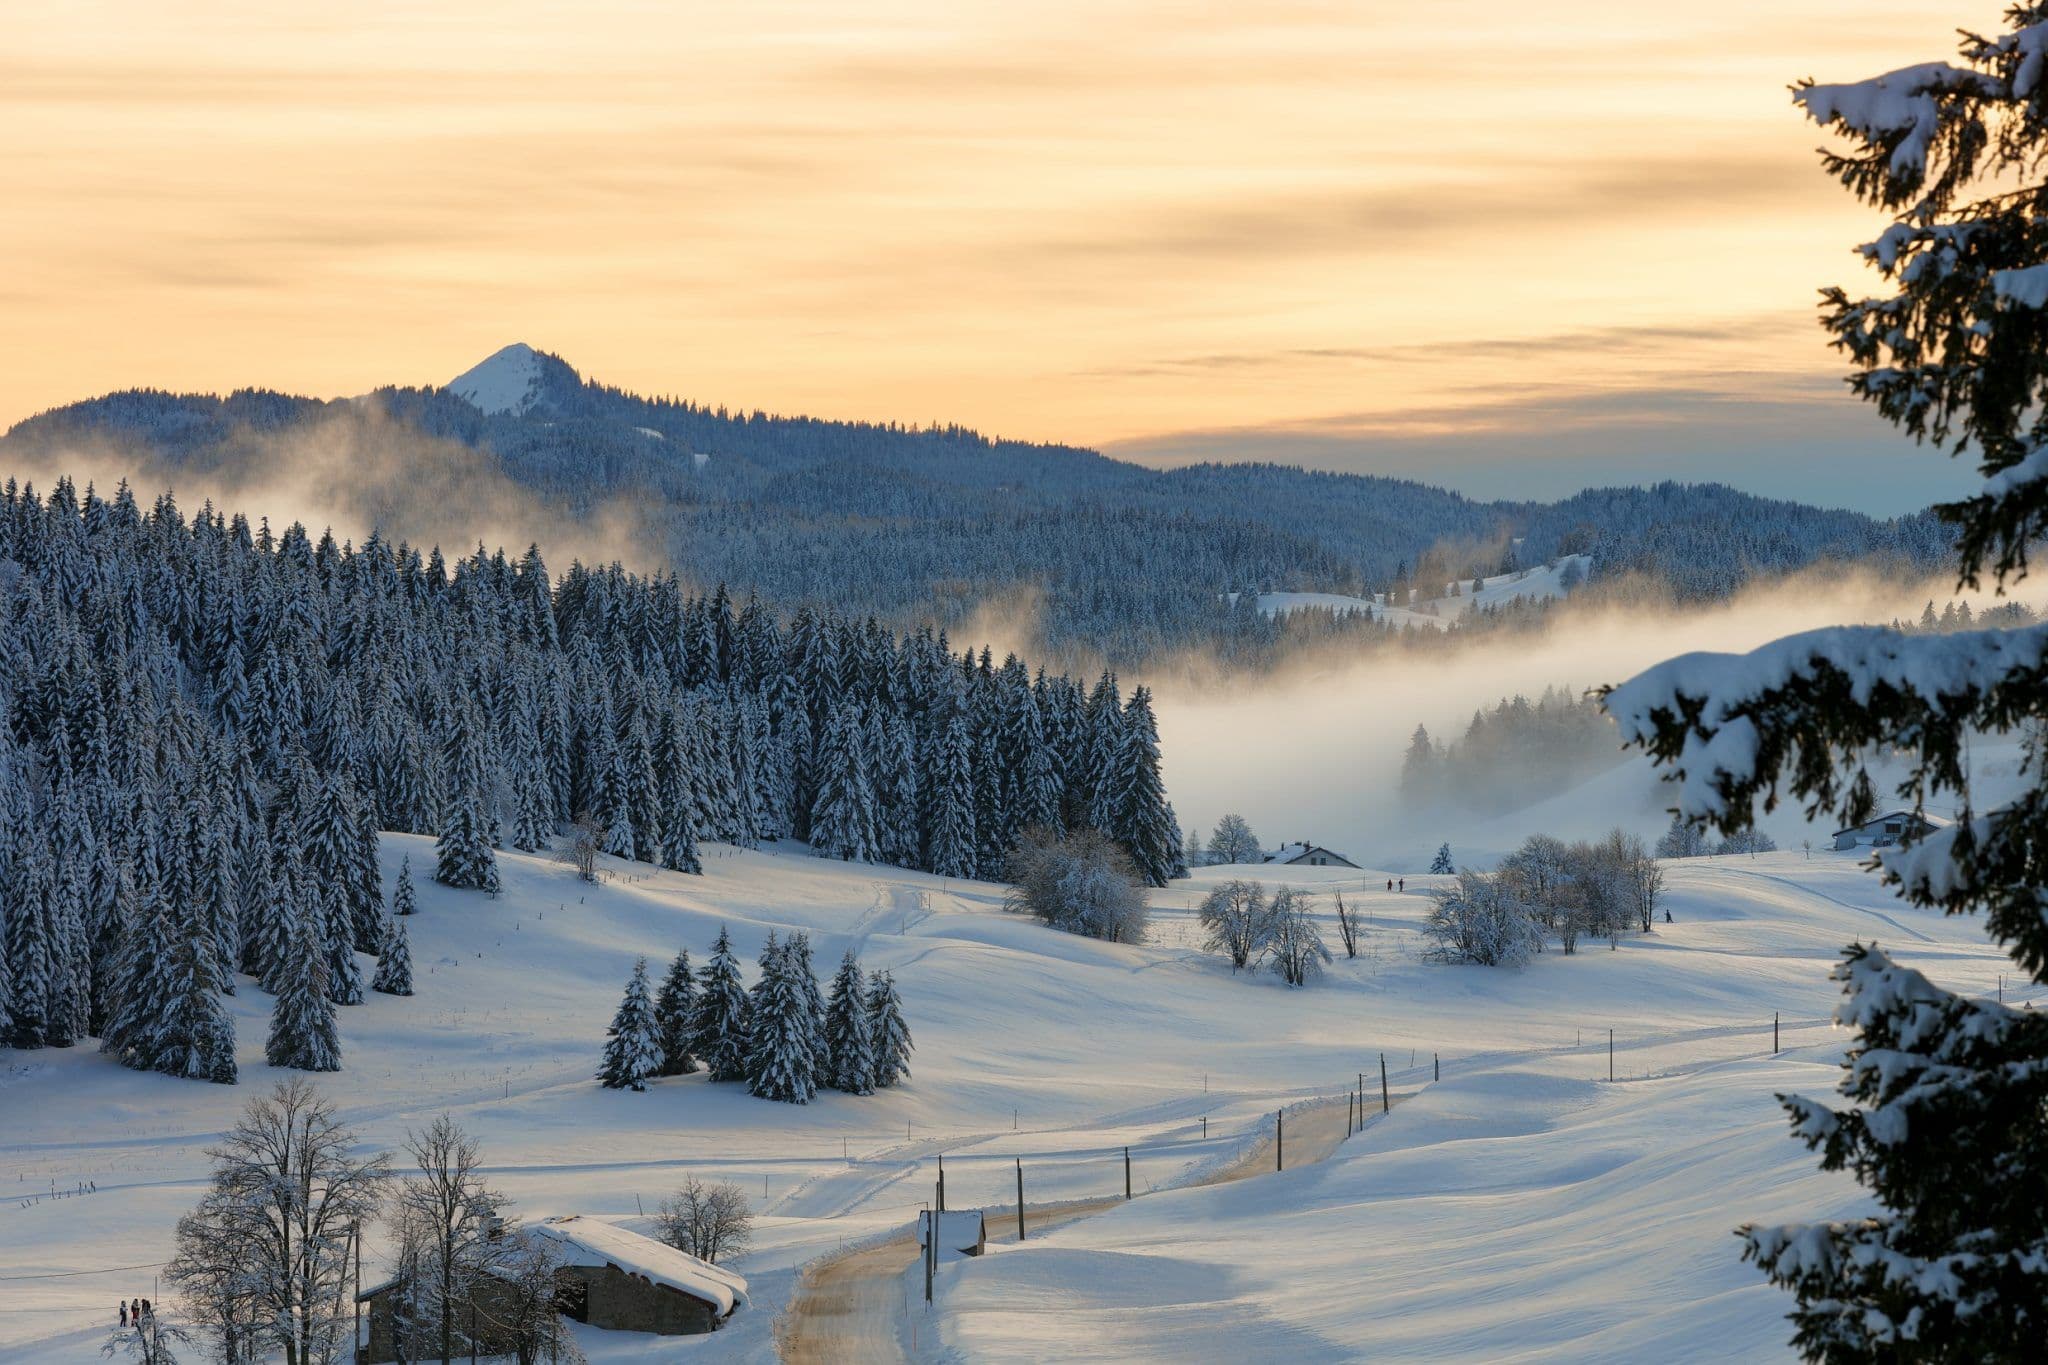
[
  {"x": 1888, "y": 829},
  {"x": 1307, "y": 855}
]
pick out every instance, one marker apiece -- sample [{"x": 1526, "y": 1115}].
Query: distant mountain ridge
[{"x": 929, "y": 523}]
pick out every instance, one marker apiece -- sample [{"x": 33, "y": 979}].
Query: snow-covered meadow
[{"x": 1522, "y": 1201}]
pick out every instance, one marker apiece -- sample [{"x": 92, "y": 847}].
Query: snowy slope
[
  {"x": 1061, "y": 1051},
  {"x": 1543, "y": 581},
  {"x": 508, "y": 381}
]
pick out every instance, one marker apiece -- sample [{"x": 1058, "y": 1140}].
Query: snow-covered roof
[
  {"x": 959, "y": 1229},
  {"x": 587, "y": 1241},
  {"x": 1294, "y": 853},
  {"x": 1932, "y": 821}
]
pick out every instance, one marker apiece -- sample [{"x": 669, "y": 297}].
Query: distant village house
[
  {"x": 1308, "y": 855},
  {"x": 1888, "y": 829}
]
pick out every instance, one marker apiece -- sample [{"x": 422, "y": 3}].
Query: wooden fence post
[
  {"x": 1020, "y": 1198},
  {"x": 1385, "y": 1102}
]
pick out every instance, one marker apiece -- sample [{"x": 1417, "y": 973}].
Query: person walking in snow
[
  {"x": 135, "y": 1311},
  {"x": 1404, "y": 884},
  {"x": 1390, "y": 883},
  {"x": 124, "y": 1312}
]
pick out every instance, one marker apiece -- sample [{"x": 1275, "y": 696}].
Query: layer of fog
[
  {"x": 1314, "y": 752},
  {"x": 359, "y": 471}
]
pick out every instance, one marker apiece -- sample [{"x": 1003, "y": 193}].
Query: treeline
[
  {"x": 1515, "y": 754},
  {"x": 930, "y": 526},
  {"x": 207, "y": 724}
]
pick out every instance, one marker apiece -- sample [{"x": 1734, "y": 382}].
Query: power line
[{"x": 68, "y": 1274}]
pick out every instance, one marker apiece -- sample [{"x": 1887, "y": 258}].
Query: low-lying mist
[
  {"x": 359, "y": 471},
  {"x": 1314, "y": 751}
]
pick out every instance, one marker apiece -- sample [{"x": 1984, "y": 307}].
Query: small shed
[
  {"x": 612, "y": 1278},
  {"x": 1890, "y": 828},
  {"x": 960, "y": 1231},
  {"x": 605, "y": 1276},
  {"x": 1308, "y": 855}
]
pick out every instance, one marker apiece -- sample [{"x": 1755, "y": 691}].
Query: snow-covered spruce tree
[
  {"x": 466, "y": 856},
  {"x": 302, "y": 1032},
  {"x": 394, "y": 962},
  {"x": 849, "y": 1044},
  {"x": 843, "y": 816},
  {"x": 344, "y": 974},
  {"x": 633, "y": 1051},
  {"x": 1945, "y": 1092},
  {"x": 887, "y": 1033},
  {"x": 949, "y": 802},
  {"x": 1442, "y": 863},
  {"x": 1142, "y": 822},
  {"x": 674, "y": 1013},
  {"x": 782, "y": 1034},
  {"x": 718, "y": 1026},
  {"x": 403, "y": 900},
  {"x": 196, "y": 1039},
  {"x": 29, "y": 952}
]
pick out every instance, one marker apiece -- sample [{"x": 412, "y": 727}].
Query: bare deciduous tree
[
  {"x": 290, "y": 1188},
  {"x": 1347, "y": 926},
  {"x": 1238, "y": 922},
  {"x": 707, "y": 1221},
  {"x": 209, "y": 1271},
  {"x": 450, "y": 1229},
  {"x": 1296, "y": 948},
  {"x": 585, "y": 843}
]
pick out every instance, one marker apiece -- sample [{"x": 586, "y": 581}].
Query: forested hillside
[
  {"x": 207, "y": 725},
  {"x": 925, "y": 526}
]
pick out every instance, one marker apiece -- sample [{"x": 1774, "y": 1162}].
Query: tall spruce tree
[
  {"x": 1442, "y": 862},
  {"x": 782, "y": 1031},
  {"x": 849, "y": 1043},
  {"x": 843, "y": 815},
  {"x": 1142, "y": 822},
  {"x": 196, "y": 1038},
  {"x": 949, "y": 795},
  {"x": 887, "y": 1033},
  {"x": 302, "y": 1032},
  {"x": 632, "y": 1052},
  {"x": 675, "y": 1012},
  {"x": 1945, "y": 1091},
  {"x": 403, "y": 899},
  {"x": 718, "y": 1025},
  {"x": 394, "y": 962}
]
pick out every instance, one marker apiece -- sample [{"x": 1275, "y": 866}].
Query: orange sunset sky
[{"x": 1514, "y": 248}]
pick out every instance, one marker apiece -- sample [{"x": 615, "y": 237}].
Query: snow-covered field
[
  {"x": 1543, "y": 581},
  {"x": 1521, "y": 1206}
]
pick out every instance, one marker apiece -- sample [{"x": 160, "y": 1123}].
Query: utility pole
[
  {"x": 1020, "y": 1198},
  {"x": 355, "y": 1232}
]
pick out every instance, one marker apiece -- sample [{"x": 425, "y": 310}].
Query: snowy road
[{"x": 850, "y": 1308}]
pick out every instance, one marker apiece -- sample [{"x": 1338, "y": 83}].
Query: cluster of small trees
[
  {"x": 1081, "y": 882},
  {"x": 1683, "y": 840},
  {"x": 265, "y": 1261},
  {"x": 783, "y": 1037},
  {"x": 1252, "y": 929},
  {"x": 1598, "y": 889},
  {"x": 1518, "y": 752}
]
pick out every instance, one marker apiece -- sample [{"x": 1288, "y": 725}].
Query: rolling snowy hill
[{"x": 1522, "y": 1191}]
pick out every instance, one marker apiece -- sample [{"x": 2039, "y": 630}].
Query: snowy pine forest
[
  {"x": 932, "y": 526},
  {"x": 208, "y": 724}
]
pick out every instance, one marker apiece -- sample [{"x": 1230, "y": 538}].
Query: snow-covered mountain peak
[{"x": 509, "y": 381}]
